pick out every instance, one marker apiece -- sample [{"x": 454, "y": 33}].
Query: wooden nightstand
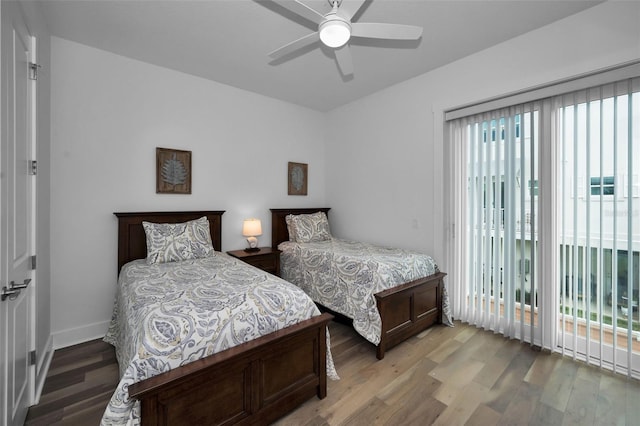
[{"x": 267, "y": 259}]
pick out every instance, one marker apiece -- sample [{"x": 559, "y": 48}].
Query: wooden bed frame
[
  {"x": 405, "y": 310},
  {"x": 253, "y": 383}
]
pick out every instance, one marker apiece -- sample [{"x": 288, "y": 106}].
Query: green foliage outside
[{"x": 606, "y": 319}]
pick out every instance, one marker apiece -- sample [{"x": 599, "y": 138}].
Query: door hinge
[
  {"x": 33, "y": 262},
  {"x": 33, "y": 167},
  {"x": 33, "y": 71},
  {"x": 32, "y": 358}
]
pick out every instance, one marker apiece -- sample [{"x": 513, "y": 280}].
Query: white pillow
[
  {"x": 171, "y": 242},
  {"x": 306, "y": 228}
]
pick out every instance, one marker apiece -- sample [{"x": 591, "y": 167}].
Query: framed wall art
[
  {"x": 297, "y": 173},
  {"x": 173, "y": 171}
]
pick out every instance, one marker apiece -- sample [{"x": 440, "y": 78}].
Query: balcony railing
[{"x": 489, "y": 220}]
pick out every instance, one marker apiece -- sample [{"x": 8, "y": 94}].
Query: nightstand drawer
[
  {"x": 267, "y": 263},
  {"x": 266, "y": 258}
]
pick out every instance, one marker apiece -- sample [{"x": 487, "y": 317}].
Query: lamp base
[
  {"x": 252, "y": 249},
  {"x": 253, "y": 244}
]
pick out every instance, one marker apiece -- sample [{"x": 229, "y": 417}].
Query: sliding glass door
[{"x": 546, "y": 208}]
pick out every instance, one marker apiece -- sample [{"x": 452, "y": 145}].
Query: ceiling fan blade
[
  {"x": 301, "y": 9},
  {"x": 386, "y": 31},
  {"x": 343, "y": 57},
  {"x": 348, "y": 8},
  {"x": 294, "y": 45}
]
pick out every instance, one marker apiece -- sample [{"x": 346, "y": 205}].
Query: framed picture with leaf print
[
  {"x": 297, "y": 178},
  {"x": 173, "y": 171}
]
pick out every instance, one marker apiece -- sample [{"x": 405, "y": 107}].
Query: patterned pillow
[
  {"x": 171, "y": 242},
  {"x": 291, "y": 227},
  {"x": 306, "y": 228}
]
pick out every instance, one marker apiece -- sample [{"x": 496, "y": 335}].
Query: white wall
[
  {"x": 109, "y": 113},
  {"x": 385, "y": 153}
]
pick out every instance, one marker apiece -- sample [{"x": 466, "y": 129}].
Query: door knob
[
  {"x": 14, "y": 286},
  {"x": 13, "y": 290},
  {"x": 9, "y": 293}
]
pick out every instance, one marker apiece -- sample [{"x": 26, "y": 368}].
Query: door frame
[{"x": 13, "y": 11}]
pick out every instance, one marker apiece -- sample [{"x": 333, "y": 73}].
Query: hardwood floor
[
  {"x": 79, "y": 384},
  {"x": 444, "y": 376}
]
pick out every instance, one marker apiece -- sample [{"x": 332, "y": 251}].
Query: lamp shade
[{"x": 251, "y": 228}]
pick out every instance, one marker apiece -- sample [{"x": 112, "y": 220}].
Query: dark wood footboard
[
  {"x": 408, "y": 309},
  {"x": 254, "y": 383}
]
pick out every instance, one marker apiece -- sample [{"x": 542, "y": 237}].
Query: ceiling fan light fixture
[{"x": 335, "y": 32}]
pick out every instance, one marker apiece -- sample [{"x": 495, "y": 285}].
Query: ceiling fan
[{"x": 335, "y": 29}]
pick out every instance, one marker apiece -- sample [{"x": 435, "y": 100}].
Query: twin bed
[
  {"x": 388, "y": 294},
  {"x": 211, "y": 340}
]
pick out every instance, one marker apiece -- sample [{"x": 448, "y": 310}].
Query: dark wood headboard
[
  {"x": 132, "y": 242},
  {"x": 279, "y": 231}
]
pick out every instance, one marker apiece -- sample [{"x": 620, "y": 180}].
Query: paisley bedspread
[
  {"x": 167, "y": 315},
  {"x": 344, "y": 276}
]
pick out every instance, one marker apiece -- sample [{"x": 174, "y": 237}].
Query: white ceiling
[{"x": 228, "y": 40}]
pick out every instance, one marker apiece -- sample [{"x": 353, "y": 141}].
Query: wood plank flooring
[
  {"x": 79, "y": 384},
  {"x": 444, "y": 376}
]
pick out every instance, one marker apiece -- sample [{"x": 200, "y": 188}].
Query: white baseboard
[
  {"x": 73, "y": 336},
  {"x": 42, "y": 368}
]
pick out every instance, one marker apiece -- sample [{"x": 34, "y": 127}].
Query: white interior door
[{"x": 17, "y": 215}]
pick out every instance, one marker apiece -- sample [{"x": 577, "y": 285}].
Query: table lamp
[{"x": 251, "y": 228}]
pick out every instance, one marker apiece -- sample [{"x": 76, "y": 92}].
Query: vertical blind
[
  {"x": 496, "y": 174},
  {"x": 545, "y": 205},
  {"x": 598, "y": 135}
]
